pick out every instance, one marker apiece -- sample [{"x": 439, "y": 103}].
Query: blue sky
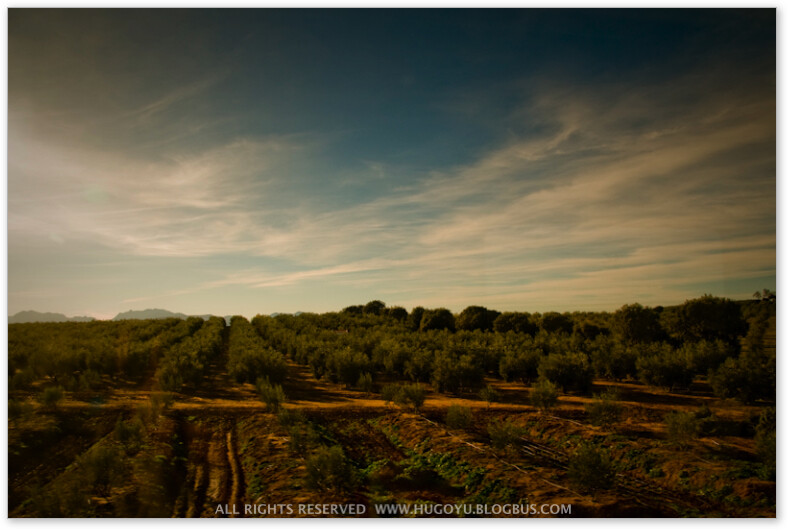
[{"x": 244, "y": 162}]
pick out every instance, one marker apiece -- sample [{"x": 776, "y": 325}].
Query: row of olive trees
[
  {"x": 250, "y": 357},
  {"x": 660, "y": 347},
  {"x": 79, "y": 356},
  {"x": 459, "y": 362},
  {"x": 187, "y": 362}
]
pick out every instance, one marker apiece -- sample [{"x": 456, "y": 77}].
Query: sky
[{"x": 260, "y": 161}]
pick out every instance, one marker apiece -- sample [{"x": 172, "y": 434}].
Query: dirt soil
[{"x": 216, "y": 449}]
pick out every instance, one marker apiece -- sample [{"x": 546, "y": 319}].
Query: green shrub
[
  {"x": 102, "y": 469},
  {"x": 604, "y": 409},
  {"x": 50, "y": 396},
  {"x": 412, "y": 395},
  {"x": 290, "y": 417},
  {"x": 682, "y": 427},
  {"x": 389, "y": 391},
  {"x": 544, "y": 395},
  {"x": 489, "y": 395},
  {"x": 591, "y": 468},
  {"x": 765, "y": 442},
  {"x": 129, "y": 434},
  {"x": 408, "y": 395},
  {"x": 459, "y": 417},
  {"x": 365, "y": 383},
  {"x": 503, "y": 433},
  {"x": 270, "y": 394},
  {"x": 329, "y": 469},
  {"x": 301, "y": 436}
]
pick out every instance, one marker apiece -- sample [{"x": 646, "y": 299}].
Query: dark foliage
[
  {"x": 634, "y": 323},
  {"x": 556, "y": 323},
  {"x": 439, "y": 319},
  {"x": 706, "y": 318},
  {"x": 476, "y": 318},
  {"x": 591, "y": 468}
]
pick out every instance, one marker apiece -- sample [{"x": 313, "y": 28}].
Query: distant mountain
[
  {"x": 31, "y": 316},
  {"x": 154, "y": 313},
  {"x": 49, "y": 317},
  {"x": 278, "y": 313}
]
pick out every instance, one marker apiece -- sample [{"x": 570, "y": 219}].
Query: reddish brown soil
[{"x": 233, "y": 452}]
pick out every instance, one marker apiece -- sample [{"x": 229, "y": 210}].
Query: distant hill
[
  {"x": 154, "y": 313},
  {"x": 31, "y": 316}
]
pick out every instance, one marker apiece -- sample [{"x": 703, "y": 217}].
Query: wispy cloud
[
  {"x": 622, "y": 193},
  {"x": 210, "y": 203},
  {"x": 144, "y": 114},
  {"x": 679, "y": 199}
]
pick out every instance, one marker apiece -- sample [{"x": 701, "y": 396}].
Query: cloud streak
[{"x": 624, "y": 192}]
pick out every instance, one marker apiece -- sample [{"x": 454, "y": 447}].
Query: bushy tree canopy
[
  {"x": 439, "y": 319},
  {"x": 515, "y": 322},
  {"x": 706, "y": 318},
  {"x": 415, "y": 318},
  {"x": 476, "y": 318},
  {"x": 634, "y": 323},
  {"x": 569, "y": 370},
  {"x": 397, "y": 312},
  {"x": 554, "y": 322},
  {"x": 374, "y": 307}
]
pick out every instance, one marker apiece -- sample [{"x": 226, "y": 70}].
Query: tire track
[
  {"x": 237, "y": 475},
  {"x": 199, "y": 487}
]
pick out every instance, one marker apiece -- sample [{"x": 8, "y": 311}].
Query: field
[{"x": 198, "y": 419}]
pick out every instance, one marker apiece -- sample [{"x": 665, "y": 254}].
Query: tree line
[
  {"x": 665, "y": 347},
  {"x": 368, "y": 345}
]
